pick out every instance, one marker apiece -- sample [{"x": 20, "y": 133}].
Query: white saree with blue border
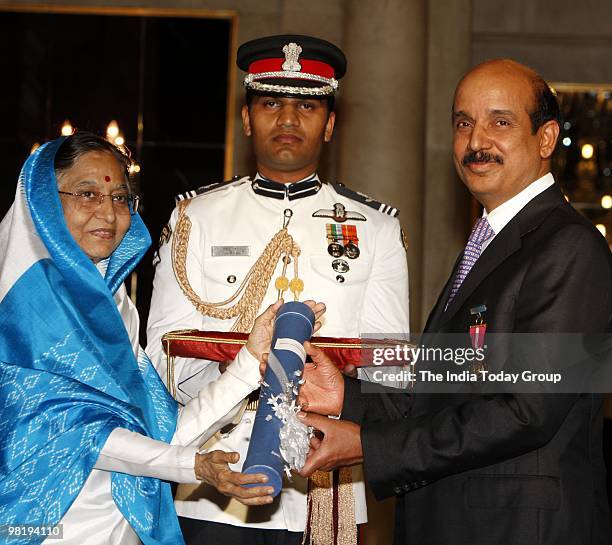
[{"x": 68, "y": 373}]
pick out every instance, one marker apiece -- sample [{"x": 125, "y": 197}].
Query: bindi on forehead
[{"x": 107, "y": 179}]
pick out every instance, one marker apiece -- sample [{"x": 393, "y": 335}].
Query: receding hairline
[{"x": 509, "y": 67}]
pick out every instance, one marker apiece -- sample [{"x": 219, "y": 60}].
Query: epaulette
[
  {"x": 364, "y": 199},
  {"x": 207, "y": 188}
]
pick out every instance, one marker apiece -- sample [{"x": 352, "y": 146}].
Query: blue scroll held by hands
[{"x": 280, "y": 441}]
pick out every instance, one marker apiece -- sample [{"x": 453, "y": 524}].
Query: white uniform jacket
[{"x": 231, "y": 225}]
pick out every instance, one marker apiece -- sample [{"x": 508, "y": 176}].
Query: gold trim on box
[{"x": 181, "y": 335}]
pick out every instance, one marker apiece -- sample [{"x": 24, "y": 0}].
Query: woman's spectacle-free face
[{"x": 98, "y": 228}]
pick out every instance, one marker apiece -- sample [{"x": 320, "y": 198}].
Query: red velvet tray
[{"x": 223, "y": 346}]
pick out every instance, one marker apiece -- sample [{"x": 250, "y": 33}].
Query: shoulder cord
[{"x": 253, "y": 288}]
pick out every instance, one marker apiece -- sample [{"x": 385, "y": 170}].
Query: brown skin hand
[
  {"x": 340, "y": 446},
  {"x": 258, "y": 343},
  {"x": 213, "y": 468},
  {"x": 323, "y": 389}
]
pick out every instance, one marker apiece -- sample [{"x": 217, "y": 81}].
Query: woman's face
[{"x": 97, "y": 231}]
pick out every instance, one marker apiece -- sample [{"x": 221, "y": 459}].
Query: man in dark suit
[{"x": 507, "y": 467}]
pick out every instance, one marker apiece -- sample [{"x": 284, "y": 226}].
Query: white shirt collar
[
  {"x": 499, "y": 217},
  {"x": 313, "y": 176}
]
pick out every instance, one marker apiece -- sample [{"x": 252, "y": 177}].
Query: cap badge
[{"x": 292, "y": 53}]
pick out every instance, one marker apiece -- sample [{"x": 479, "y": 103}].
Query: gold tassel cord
[
  {"x": 347, "y": 524},
  {"x": 320, "y": 509},
  {"x": 253, "y": 288},
  {"x": 320, "y": 529}
]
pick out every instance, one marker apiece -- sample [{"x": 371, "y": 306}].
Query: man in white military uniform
[{"x": 223, "y": 240}]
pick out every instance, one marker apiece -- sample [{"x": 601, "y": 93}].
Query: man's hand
[
  {"x": 340, "y": 446},
  {"x": 323, "y": 389},
  {"x": 260, "y": 337},
  {"x": 213, "y": 468},
  {"x": 349, "y": 370}
]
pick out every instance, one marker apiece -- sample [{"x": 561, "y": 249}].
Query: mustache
[{"x": 481, "y": 157}]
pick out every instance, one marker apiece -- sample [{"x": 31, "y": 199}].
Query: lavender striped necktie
[{"x": 481, "y": 232}]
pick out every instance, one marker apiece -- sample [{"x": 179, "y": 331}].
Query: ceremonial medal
[
  {"x": 477, "y": 336},
  {"x": 352, "y": 251},
  {"x": 340, "y": 265},
  {"x": 345, "y": 234},
  {"x": 335, "y": 249}
]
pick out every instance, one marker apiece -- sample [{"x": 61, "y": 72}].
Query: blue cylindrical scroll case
[{"x": 294, "y": 325}]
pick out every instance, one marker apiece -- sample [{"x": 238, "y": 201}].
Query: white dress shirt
[{"x": 499, "y": 217}]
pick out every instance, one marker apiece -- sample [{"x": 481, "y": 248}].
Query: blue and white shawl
[{"x": 68, "y": 374}]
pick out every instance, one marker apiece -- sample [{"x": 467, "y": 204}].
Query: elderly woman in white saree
[{"x": 89, "y": 434}]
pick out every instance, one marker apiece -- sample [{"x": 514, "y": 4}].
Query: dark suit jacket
[{"x": 512, "y": 468}]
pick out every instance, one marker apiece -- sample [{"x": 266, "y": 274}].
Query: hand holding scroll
[
  {"x": 340, "y": 446},
  {"x": 213, "y": 468},
  {"x": 323, "y": 393},
  {"x": 323, "y": 389},
  {"x": 260, "y": 337}
]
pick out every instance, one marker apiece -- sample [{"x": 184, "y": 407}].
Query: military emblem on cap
[
  {"x": 291, "y": 65},
  {"x": 339, "y": 213},
  {"x": 292, "y": 54}
]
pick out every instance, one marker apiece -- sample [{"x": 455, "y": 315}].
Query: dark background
[
  {"x": 171, "y": 73},
  {"x": 586, "y": 120}
]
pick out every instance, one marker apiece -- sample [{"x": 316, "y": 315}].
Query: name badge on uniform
[{"x": 230, "y": 251}]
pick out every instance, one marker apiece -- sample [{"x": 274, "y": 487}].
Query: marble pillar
[
  {"x": 381, "y": 114},
  {"x": 446, "y": 204}
]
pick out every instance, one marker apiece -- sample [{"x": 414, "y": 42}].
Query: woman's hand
[
  {"x": 260, "y": 338},
  {"x": 213, "y": 468}
]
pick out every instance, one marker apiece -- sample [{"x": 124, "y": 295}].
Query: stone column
[
  {"x": 446, "y": 203},
  {"x": 381, "y": 114}
]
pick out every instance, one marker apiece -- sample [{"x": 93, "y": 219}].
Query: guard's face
[
  {"x": 495, "y": 153},
  {"x": 98, "y": 231},
  {"x": 288, "y": 134}
]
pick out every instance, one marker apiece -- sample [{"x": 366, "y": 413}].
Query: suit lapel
[
  {"x": 438, "y": 310},
  {"x": 507, "y": 242},
  {"x": 502, "y": 246}
]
